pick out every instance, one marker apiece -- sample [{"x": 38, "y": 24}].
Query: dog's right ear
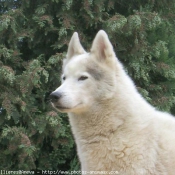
[{"x": 75, "y": 47}]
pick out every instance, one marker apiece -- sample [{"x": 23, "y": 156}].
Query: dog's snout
[{"x": 55, "y": 96}]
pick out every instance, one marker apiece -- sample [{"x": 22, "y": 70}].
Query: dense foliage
[{"x": 33, "y": 41}]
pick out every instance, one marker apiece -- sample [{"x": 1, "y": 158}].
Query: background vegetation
[{"x": 33, "y": 40}]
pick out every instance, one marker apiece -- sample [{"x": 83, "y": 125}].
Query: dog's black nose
[{"x": 55, "y": 96}]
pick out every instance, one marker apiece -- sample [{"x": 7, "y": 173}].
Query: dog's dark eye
[
  {"x": 82, "y": 78},
  {"x": 64, "y": 78}
]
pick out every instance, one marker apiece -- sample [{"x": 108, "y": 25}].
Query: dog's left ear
[
  {"x": 75, "y": 47},
  {"x": 102, "y": 47}
]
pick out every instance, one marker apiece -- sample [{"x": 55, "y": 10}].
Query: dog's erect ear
[
  {"x": 75, "y": 47},
  {"x": 102, "y": 47}
]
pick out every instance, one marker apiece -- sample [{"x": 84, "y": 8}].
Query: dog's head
[{"x": 87, "y": 78}]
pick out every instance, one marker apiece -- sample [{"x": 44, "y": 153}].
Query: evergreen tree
[{"x": 34, "y": 38}]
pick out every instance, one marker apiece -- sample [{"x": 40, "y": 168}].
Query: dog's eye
[
  {"x": 82, "y": 78},
  {"x": 64, "y": 78}
]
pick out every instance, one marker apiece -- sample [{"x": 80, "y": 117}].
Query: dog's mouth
[
  {"x": 61, "y": 107},
  {"x": 65, "y": 108}
]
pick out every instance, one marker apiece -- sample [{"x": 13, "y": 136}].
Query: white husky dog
[{"x": 115, "y": 129}]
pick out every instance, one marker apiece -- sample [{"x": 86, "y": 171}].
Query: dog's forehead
[
  {"x": 84, "y": 63},
  {"x": 76, "y": 63}
]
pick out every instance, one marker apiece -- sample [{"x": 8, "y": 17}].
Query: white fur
[{"x": 115, "y": 129}]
